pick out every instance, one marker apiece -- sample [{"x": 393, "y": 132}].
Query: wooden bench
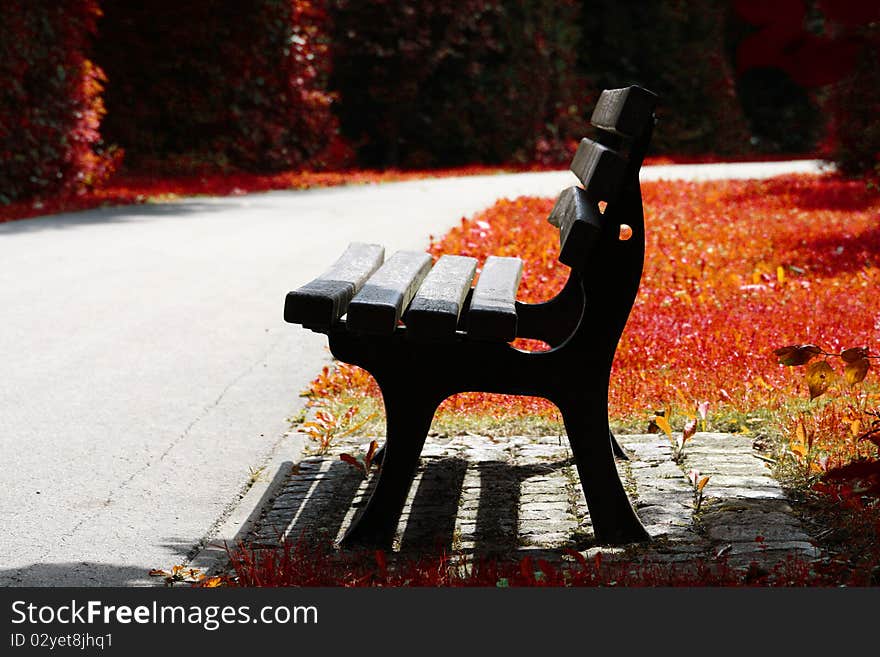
[{"x": 425, "y": 333}]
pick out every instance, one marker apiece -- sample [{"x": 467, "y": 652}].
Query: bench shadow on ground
[
  {"x": 475, "y": 499},
  {"x": 323, "y": 496}
]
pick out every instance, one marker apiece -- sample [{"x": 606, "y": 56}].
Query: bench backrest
[
  {"x": 376, "y": 294},
  {"x": 624, "y": 119}
]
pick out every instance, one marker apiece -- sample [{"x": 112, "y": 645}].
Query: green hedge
[
  {"x": 456, "y": 82},
  {"x": 854, "y": 107},
  {"x": 677, "y": 49}
]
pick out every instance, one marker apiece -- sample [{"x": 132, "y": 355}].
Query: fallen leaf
[{"x": 663, "y": 423}]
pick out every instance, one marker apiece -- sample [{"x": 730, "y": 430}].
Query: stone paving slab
[{"x": 522, "y": 496}]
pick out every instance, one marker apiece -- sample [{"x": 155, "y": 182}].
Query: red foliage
[
  {"x": 303, "y": 564},
  {"x": 51, "y": 107},
  {"x": 782, "y": 40},
  {"x": 217, "y": 83},
  {"x": 854, "y": 105},
  {"x": 860, "y": 478},
  {"x": 733, "y": 270},
  {"x": 841, "y": 55}
]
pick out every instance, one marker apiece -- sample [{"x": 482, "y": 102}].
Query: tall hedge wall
[
  {"x": 216, "y": 81},
  {"x": 269, "y": 84},
  {"x": 50, "y": 100},
  {"x": 457, "y": 81},
  {"x": 676, "y": 48},
  {"x": 853, "y": 101}
]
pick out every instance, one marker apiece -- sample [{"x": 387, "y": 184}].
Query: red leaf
[
  {"x": 525, "y": 569},
  {"x": 850, "y": 12},
  {"x": 796, "y": 354},
  {"x": 756, "y": 12},
  {"x": 351, "y": 460},
  {"x": 689, "y": 430},
  {"x": 577, "y": 556},
  {"x": 381, "y": 563},
  {"x": 854, "y": 354},
  {"x": 371, "y": 452}
]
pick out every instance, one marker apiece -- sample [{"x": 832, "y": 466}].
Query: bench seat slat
[
  {"x": 579, "y": 223},
  {"x": 492, "y": 313},
  {"x": 624, "y": 112},
  {"x": 324, "y": 300},
  {"x": 434, "y": 311},
  {"x": 377, "y": 308},
  {"x": 599, "y": 169}
]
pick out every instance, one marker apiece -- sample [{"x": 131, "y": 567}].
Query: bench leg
[
  {"x": 407, "y": 424},
  {"x": 617, "y": 449},
  {"x": 614, "y": 520}
]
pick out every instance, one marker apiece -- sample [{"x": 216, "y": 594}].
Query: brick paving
[{"x": 513, "y": 497}]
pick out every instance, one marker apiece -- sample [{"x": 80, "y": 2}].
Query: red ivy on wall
[
  {"x": 210, "y": 83},
  {"x": 50, "y": 105},
  {"x": 832, "y": 44}
]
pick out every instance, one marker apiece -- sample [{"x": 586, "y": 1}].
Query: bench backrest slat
[
  {"x": 436, "y": 307},
  {"x": 625, "y": 119},
  {"x": 599, "y": 169},
  {"x": 492, "y": 313},
  {"x": 624, "y": 112},
  {"x": 324, "y": 300},
  {"x": 379, "y": 305},
  {"x": 579, "y": 223}
]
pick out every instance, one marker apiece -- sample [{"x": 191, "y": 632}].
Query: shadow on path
[
  {"x": 76, "y": 574},
  {"x": 116, "y": 214}
]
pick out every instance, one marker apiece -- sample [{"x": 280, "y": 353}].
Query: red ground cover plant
[
  {"x": 734, "y": 269},
  {"x": 298, "y": 563}
]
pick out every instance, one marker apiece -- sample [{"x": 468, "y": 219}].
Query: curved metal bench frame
[{"x": 582, "y": 325}]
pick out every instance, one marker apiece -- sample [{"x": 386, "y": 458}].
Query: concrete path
[{"x": 146, "y": 369}]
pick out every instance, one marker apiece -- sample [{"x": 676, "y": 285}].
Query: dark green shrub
[
  {"x": 453, "y": 82},
  {"x": 675, "y": 48},
  {"x": 217, "y": 82},
  {"x": 854, "y": 106}
]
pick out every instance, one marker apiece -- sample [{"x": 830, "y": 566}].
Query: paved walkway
[
  {"x": 146, "y": 368},
  {"x": 521, "y": 496}
]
